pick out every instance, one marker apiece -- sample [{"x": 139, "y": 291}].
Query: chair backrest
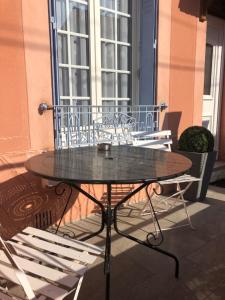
[
  {"x": 160, "y": 140},
  {"x": 113, "y": 128},
  {"x": 19, "y": 275}
]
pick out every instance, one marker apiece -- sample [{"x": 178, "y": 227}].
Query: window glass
[
  {"x": 123, "y": 85},
  {"x": 62, "y": 49},
  {"x": 123, "y": 26},
  {"x": 80, "y": 82},
  {"x": 108, "y": 4},
  {"x": 64, "y": 81},
  {"x": 61, "y": 14},
  {"x": 79, "y": 51},
  {"x": 124, "y": 6},
  {"x": 124, "y": 59},
  {"x": 107, "y": 25},
  {"x": 108, "y": 84},
  {"x": 208, "y": 69},
  {"x": 108, "y": 55},
  {"x": 78, "y": 17}
]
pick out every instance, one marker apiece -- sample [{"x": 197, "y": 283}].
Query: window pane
[
  {"x": 123, "y": 106},
  {"x": 123, "y": 85},
  {"x": 79, "y": 51},
  {"x": 108, "y": 106},
  {"x": 123, "y": 29},
  {"x": 80, "y": 82},
  {"x": 80, "y": 103},
  {"x": 107, "y": 25},
  {"x": 208, "y": 69},
  {"x": 65, "y": 101},
  {"x": 83, "y": 110},
  {"x": 108, "y": 55},
  {"x": 78, "y": 18},
  {"x": 64, "y": 81},
  {"x": 62, "y": 49},
  {"x": 124, "y": 6},
  {"x": 108, "y": 3},
  {"x": 206, "y": 122},
  {"x": 108, "y": 84},
  {"x": 124, "y": 58},
  {"x": 61, "y": 14},
  {"x": 64, "y": 113}
]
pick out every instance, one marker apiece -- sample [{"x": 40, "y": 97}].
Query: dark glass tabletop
[{"x": 122, "y": 164}]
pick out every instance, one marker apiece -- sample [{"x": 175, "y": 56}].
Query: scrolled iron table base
[{"x": 109, "y": 218}]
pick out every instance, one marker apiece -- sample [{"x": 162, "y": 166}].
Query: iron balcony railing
[{"x": 77, "y": 126}]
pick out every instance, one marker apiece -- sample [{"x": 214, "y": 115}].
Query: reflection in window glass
[
  {"x": 62, "y": 49},
  {"x": 108, "y": 106},
  {"x": 108, "y": 55},
  {"x": 108, "y": 4},
  {"x": 107, "y": 25},
  {"x": 79, "y": 51},
  {"x": 61, "y": 14},
  {"x": 123, "y": 34},
  {"x": 208, "y": 69},
  {"x": 123, "y": 85},
  {"x": 64, "y": 112},
  {"x": 64, "y": 81},
  {"x": 84, "y": 112},
  {"x": 124, "y": 6},
  {"x": 123, "y": 106},
  {"x": 206, "y": 123},
  {"x": 124, "y": 59},
  {"x": 80, "y": 82},
  {"x": 108, "y": 84},
  {"x": 78, "y": 18}
]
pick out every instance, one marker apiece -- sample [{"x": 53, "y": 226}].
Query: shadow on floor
[{"x": 138, "y": 273}]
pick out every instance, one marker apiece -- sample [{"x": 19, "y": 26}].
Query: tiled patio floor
[{"x": 138, "y": 273}]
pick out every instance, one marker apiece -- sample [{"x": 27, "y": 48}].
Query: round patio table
[{"x": 122, "y": 164}]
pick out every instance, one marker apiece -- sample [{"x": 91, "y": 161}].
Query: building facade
[{"x": 106, "y": 53}]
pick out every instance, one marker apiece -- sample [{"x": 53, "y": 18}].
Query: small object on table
[{"x": 104, "y": 147}]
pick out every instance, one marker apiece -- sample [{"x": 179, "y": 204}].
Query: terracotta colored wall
[
  {"x": 25, "y": 81},
  {"x": 14, "y": 124},
  {"x": 181, "y": 68},
  {"x": 38, "y": 71},
  {"x": 25, "y": 75}
]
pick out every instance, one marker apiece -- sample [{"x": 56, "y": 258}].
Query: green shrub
[{"x": 196, "y": 139}]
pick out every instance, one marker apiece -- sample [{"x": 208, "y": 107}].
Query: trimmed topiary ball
[{"x": 196, "y": 139}]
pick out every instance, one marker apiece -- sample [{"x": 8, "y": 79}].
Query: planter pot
[{"x": 202, "y": 167}]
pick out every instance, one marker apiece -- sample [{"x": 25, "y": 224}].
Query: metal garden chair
[
  {"x": 44, "y": 265},
  {"x": 161, "y": 140}
]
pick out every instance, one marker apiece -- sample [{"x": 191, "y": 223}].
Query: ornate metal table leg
[
  {"x": 154, "y": 246},
  {"x": 103, "y": 213},
  {"x": 108, "y": 241},
  {"x": 60, "y": 193}
]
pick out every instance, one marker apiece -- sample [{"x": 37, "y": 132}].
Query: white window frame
[{"x": 95, "y": 70}]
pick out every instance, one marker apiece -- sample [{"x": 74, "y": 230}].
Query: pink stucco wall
[{"x": 181, "y": 63}]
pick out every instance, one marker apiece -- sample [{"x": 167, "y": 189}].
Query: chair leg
[
  {"x": 146, "y": 209},
  {"x": 184, "y": 202},
  {"x": 78, "y": 288},
  {"x": 150, "y": 211}
]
